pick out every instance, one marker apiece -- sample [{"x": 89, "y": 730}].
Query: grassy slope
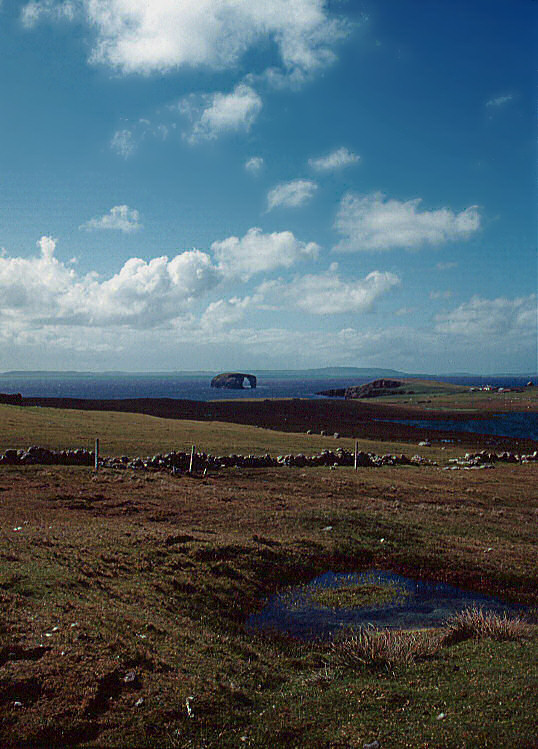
[
  {"x": 153, "y": 574},
  {"x": 137, "y": 434},
  {"x": 431, "y": 395}
]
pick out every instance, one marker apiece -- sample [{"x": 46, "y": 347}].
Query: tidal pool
[{"x": 314, "y": 610}]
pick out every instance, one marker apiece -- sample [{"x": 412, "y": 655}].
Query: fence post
[
  {"x": 97, "y": 454},
  {"x": 193, "y": 450},
  {"x": 356, "y": 454}
]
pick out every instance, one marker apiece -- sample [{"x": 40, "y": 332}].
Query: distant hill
[{"x": 314, "y": 373}]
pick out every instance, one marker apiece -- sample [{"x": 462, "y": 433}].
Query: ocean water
[
  {"x": 502, "y": 425},
  {"x": 108, "y": 386},
  {"x": 192, "y": 387}
]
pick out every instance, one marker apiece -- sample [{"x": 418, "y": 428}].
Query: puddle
[{"x": 412, "y": 604}]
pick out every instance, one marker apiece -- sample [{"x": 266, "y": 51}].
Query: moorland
[{"x": 125, "y": 593}]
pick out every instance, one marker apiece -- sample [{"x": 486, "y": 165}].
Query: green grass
[
  {"x": 139, "y": 434},
  {"x": 355, "y": 596}
]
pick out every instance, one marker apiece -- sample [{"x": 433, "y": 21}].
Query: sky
[{"x": 238, "y": 185}]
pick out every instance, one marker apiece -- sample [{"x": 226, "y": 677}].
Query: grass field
[
  {"x": 125, "y": 594},
  {"x": 138, "y": 434}
]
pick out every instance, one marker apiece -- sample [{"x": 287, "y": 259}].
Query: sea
[{"x": 114, "y": 385}]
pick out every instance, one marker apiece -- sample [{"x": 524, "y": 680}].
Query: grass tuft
[
  {"x": 477, "y": 624},
  {"x": 378, "y": 650}
]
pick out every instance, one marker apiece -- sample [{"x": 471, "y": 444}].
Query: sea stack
[{"x": 233, "y": 381}]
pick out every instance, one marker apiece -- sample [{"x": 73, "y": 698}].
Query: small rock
[
  {"x": 327, "y": 528},
  {"x": 139, "y": 702},
  {"x": 441, "y": 716},
  {"x": 372, "y": 745}
]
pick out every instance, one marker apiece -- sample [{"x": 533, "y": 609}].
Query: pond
[{"x": 372, "y": 597}]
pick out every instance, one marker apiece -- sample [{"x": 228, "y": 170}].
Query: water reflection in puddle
[{"x": 417, "y": 604}]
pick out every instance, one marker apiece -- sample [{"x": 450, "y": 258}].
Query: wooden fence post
[
  {"x": 356, "y": 462},
  {"x": 97, "y": 454},
  {"x": 193, "y": 450}
]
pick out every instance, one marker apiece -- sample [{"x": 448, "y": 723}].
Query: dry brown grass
[
  {"x": 383, "y": 649},
  {"x": 475, "y": 623}
]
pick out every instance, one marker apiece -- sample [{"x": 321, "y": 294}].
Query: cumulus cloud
[
  {"x": 499, "y": 101},
  {"x": 500, "y": 318},
  {"x": 254, "y": 164},
  {"x": 327, "y": 294},
  {"x": 119, "y": 218},
  {"x": 42, "y": 290},
  {"x": 216, "y": 114},
  {"x": 123, "y": 143},
  {"x": 335, "y": 160},
  {"x": 291, "y": 194},
  {"x": 374, "y": 223},
  {"x": 257, "y": 252},
  {"x": 34, "y": 12},
  {"x": 224, "y": 313},
  {"x": 158, "y": 36}
]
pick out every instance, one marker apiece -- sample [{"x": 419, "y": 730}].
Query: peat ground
[{"x": 124, "y": 596}]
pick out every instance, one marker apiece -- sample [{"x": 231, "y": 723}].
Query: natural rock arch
[{"x": 233, "y": 380}]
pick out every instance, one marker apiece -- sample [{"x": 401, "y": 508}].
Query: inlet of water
[{"x": 415, "y": 604}]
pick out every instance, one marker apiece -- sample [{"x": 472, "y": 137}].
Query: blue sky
[{"x": 246, "y": 185}]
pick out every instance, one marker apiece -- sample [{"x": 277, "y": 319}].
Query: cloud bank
[
  {"x": 43, "y": 291},
  {"x": 500, "y": 318},
  {"x": 328, "y": 294}
]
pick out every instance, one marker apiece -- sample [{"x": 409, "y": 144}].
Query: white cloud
[
  {"x": 499, "y": 319},
  {"x": 335, "y": 160},
  {"x": 137, "y": 36},
  {"x": 254, "y": 164},
  {"x": 441, "y": 294},
  {"x": 218, "y": 113},
  {"x": 34, "y": 12},
  {"x": 123, "y": 142},
  {"x": 499, "y": 101},
  {"x": 327, "y": 294},
  {"x": 41, "y": 291},
  {"x": 119, "y": 218},
  {"x": 224, "y": 313},
  {"x": 257, "y": 252},
  {"x": 126, "y": 141},
  {"x": 373, "y": 222},
  {"x": 292, "y": 194}
]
